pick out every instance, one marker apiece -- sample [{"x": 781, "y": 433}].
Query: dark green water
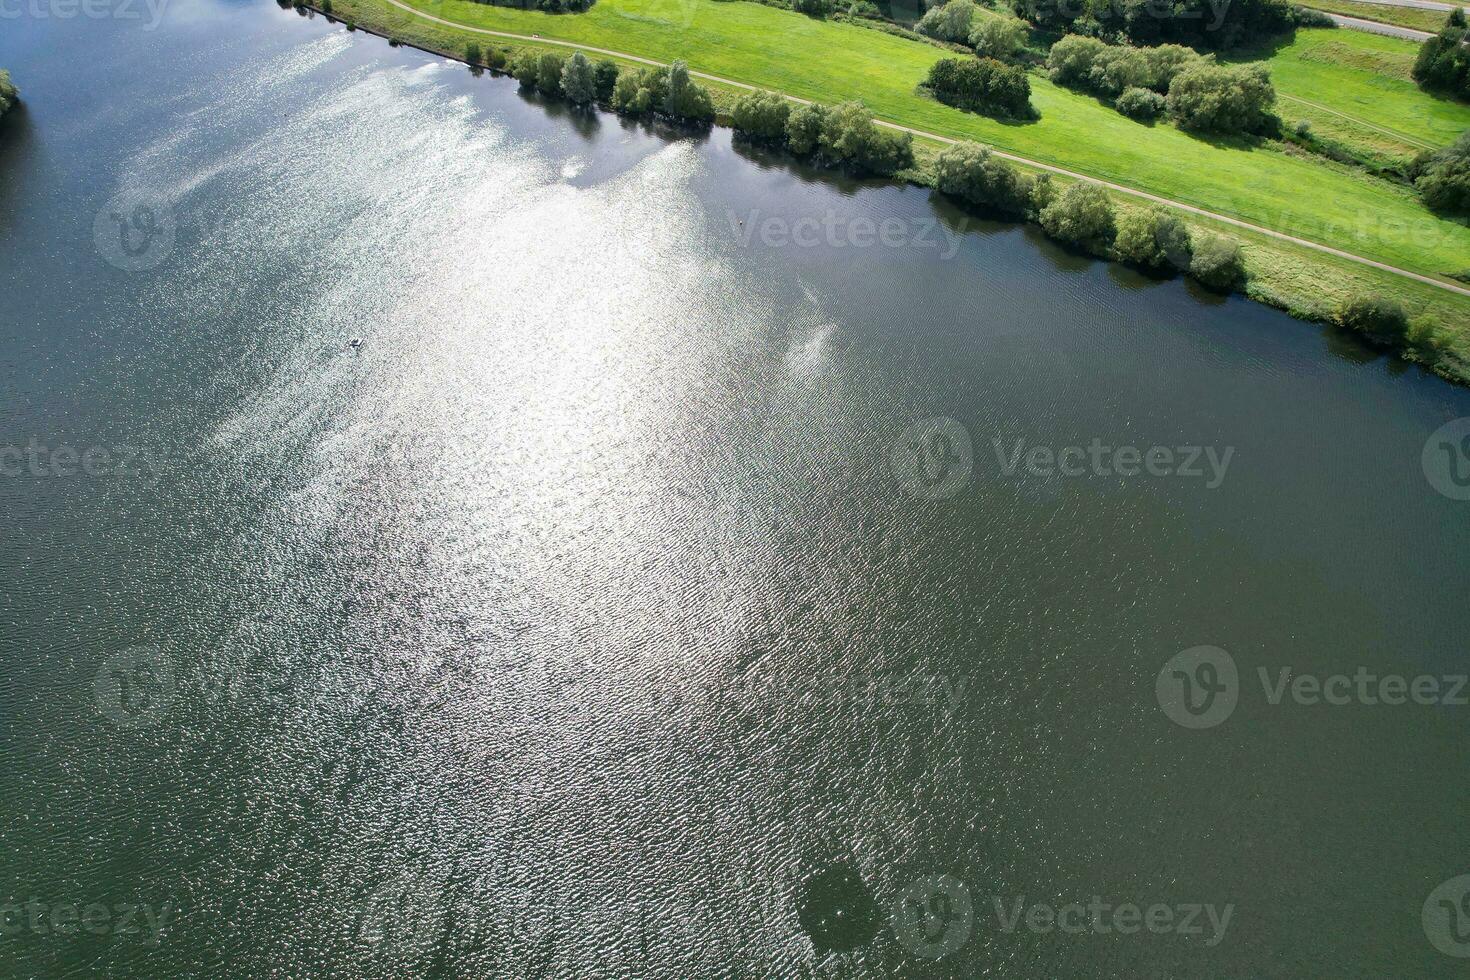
[{"x": 591, "y": 617}]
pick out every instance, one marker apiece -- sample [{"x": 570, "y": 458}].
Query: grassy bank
[
  {"x": 1302, "y": 281},
  {"x": 1410, "y": 17}
]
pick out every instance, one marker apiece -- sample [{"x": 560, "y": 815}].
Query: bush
[
  {"x": 606, "y": 73},
  {"x": 1081, "y": 215},
  {"x": 862, "y": 8},
  {"x": 1307, "y": 17},
  {"x": 9, "y": 94},
  {"x": 1196, "y": 23},
  {"x": 1153, "y": 239},
  {"x": 973, "y": 174},
  {"x": 761, "y": 116},
  {"x": 981, "y": 85},
  {"x": 950, "y": 22},
  {"x": 1070, "y": 60},
  {"x": 1141, "y": 103},
  {"x": 804, "y": 128},
  {"x": 685, "y": 98},
  {"x": 1218, "y": 262},
  {"x": 1110, "y": 69},
  {"x": 845, "y": 135},
  {"x": 1043, "y": 192},
  {"x": 1442, "y": 177},
  {"x": 1381, "y": 320},
  {"x": 526, "y": 67},
  {"x": 548, "y": 73},
  {"x": 812, "y": 8},
  {"x": 1428, "y": 336},
  {"x": 579, "y": 80},
  {"x": 997, "y": 37},
  {"x": 472, "y": 53},
  {"x": 1215, "y": 99}
]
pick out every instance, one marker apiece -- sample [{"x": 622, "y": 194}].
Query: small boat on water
[{"x": 355, "y": 343}]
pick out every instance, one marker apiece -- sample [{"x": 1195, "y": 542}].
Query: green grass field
[
  {"x": 1411, "y": 17},
  {"x": 1324, "y": 75},
  {"x": 831, "y": 62}
]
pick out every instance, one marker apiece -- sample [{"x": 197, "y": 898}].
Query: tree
[
  {"x": 1082, "y": 215},
  {"x": 981, "y": 85},
  {"x": 684, "y": 98},
  {"x": 548, "y": 73},
  {"x": 1141, "y": 103},
  {"x": 1442, "y": 177},
  {"x": 472, "y": 53},
  {"x": 579, "y": 80},
  {"x": 526, "y": 67},
  {"x": 761, "y": 116},
  {"x": 997, "y": 37},
  {"x": 804, "y": 128},
  {"x": 1380, "y": 320},
  {"x": 633, "y": 93},
  {"x": 1217, "y": 99},
  {"x": 972, "y": 173},
  {"x": 1218, "y": 262},
  {"x": 9, "y": 94},
  {"x": 950, "y": 22},
  {"x": 1071, "y": 59},
  {"x": 845, "y": 135},
  {"x": 607, "y": 78},
  {"x": 1153, "y": 239}
]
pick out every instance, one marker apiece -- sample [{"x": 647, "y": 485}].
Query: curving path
[
  {"x": 1378, "y": 27},
  {"x": 1062, "y": 171}
]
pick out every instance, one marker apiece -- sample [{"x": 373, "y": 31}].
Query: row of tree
[
  {"x": 1442, "y": 177},
  {"x": 1083, "y": 215},
  {"x": 962, "y": 22},
  {"x": 1147, "y": 82},
  {"x": 843, "y": 135},
  {"x": 1208, "y": 25},
  {"x": 545, "y": 6},
  {"x": 983, "y": 85},
  {"x": 660, "y": 91}
]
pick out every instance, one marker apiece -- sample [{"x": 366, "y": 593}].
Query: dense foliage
[
  {"x": 840, "y": 136},
  {"x": 1443, "y": 63},
  {"x": 973, "y": 174},
  {"x": 1153, "y": 239},
  {"x": 579, "y": 80},
  {"x": 981, "y": 85},
  {"x": 997, "y": 37},
  {"x": 1216, "y": 99},
  {"x": 545, "y": 6},
  {"x": 1141, "y": 104},
  {"x": 9, "y": 95},
  {"x": 1380, "y": 320},
  {"x": 950, "y": 22},
  {"x": 1200, "y": 24},
  {"x": 1442, "y": 177},
  {"x": 1081, "y": 215},
  {"x": 664, "y": 91},
  {"x": 540, "y": 70},
  {"x": 1218, "y": 262},
  {"x": 1110, "y": 69}
]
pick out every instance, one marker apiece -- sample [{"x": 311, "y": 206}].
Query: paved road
[
  {"x": 1374, "y": 27},
  {"x": 1121, "y": 189}
]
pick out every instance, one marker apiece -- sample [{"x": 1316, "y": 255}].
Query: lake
[{"x": 448, "y": 534}]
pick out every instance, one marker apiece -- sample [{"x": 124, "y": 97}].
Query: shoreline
[{"x": 918, "y": 176}]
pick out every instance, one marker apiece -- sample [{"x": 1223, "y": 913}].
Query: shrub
[
  {"x": 1443, "y": 62},
  {"x": 1381, "y": 320},
  {"x": 1082, "y": 215},
  {"x": 579, "y": 80},
  {"x": 684, "y": 98},
  {"x": 812, "y": 8},
  {"x": 1428, "y": 336},
  {"x": 1218, "y": 262},
  {"x": 1109, "y": 69},
  {"x": 669, "y": 91},
  {"x": 849, "y": 136},
  {"x": 1153, "y": 239},
  {"x": 1216, "y": 99},
  {"x": 1442, "y": 177},
  {"x": 1196, "y": 23},
  {"x": 863, "y": 8},
  {"x": 633, "y": 93},
  {"x": 526, "y": 67},
  {"x": 804, "y": 128},
  {"x": 1141, "y": 103},
  {"x": 997, "y": 37},
  {"x": 1303, "y": 129},
  {"x": 981, "y": 85},
  {"x": 972, "y": 173},
  {"x": 472, "y": 53},
  {"x": 9, "y": 94},
  {"x": 1071, "y": 58},
  {"x": 950, "y": 22},
  {"x": 761, "y": 116},
  {"x": 1043, "y": 192},
  {"x": 607, "y": 77},
  {"x": 1307, "y": 17},
  {"x": 495, "y": 58},
  {"x": 327, "y": 7}
]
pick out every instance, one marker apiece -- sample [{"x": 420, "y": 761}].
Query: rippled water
[{"x": 517, "y": 522}]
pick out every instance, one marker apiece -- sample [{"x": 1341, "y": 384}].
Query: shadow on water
[
  {"x": 17, "y": 141},
  {"x": 584, "y": 122},
  {"x": 783, "y": 161},
  {"x": 956, "y": 218},
  {"x": 1131, "y": 279}
]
